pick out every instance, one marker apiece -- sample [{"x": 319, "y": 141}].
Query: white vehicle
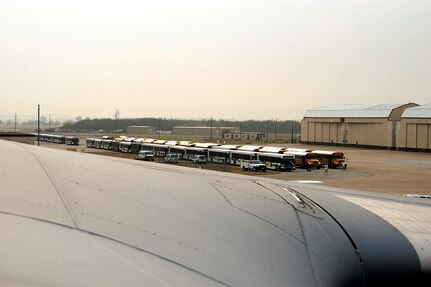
[
  {"x": 199, "y": 159},
  {"x": 171, "y": 158},
  {"x": 145, "y": 155},
  {"x": 253, "y": 165}
]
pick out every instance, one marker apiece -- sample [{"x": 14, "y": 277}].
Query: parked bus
[
  {"x": 191, "y": 152},
  {"x": 89, "y": 142},
  {"x": 304, "y": 158},
  {"x": 125, "y": 146},
  {"x": 115, "y": 145},
  {"x": 277, "y": 161},
  {"x": 135, "y": 147},
  {"x": 159, "y": 150},
  {"x": 333, "y": 159},
  {"x": 218, "y": 155},
  {"x": 107, "y": 144},
  {"x": 97, "y": 143},
  {"x": 72, "y": 141},
  {"x": 179, "y": 150},
  {"x": 238, "y": 156},
  {"x": 57, "y": 139}
]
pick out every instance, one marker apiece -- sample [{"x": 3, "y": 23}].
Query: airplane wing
[{"x": 76, "y": 219}]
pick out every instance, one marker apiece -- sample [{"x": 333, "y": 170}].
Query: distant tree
[
  {"x": 78, "y": 118},
  {"x": 68, "y": 124}
]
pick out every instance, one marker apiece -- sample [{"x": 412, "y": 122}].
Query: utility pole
[
  {"x": 275, "y": 129},
  {"x": 117, "y": 116},
  {"x": 38, "y": 125},
  {"x": 15, "y": 122},
  {"x": 211, "y": 131},
  {"x": 49, "y": 121},
  {"x": 292, "y": 134},
  {"x": 267, "y": 130}
]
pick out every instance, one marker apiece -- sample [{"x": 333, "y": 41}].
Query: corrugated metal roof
[
  {"x": 423, "y": 111},
  {"x": 353, "y": 111}
]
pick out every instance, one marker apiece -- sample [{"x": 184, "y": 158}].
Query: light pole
[{"x": 38, "y": 125}]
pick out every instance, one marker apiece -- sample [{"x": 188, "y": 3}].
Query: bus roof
[
  {"x": 171, "y": 143},
  {"x": 228, "y": 146},
  {"x": 272, "y": 149},
  {"x": 107, "y": 137},
  {"x": 250, "y": 147},
  {"x": 297, "y": 153},
  {"x": 206, "y": 145},
  {"x": 186, "y": 143},
  {"x": 325, "y": 152},
  {"x": 298, "y": 149}
]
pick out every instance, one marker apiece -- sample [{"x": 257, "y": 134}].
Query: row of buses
[
  {"x": 276, "y": 158},
  {"x": 59, "y": 139}
]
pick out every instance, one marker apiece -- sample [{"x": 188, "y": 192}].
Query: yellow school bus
[
  {"x": 304, "y": 158},
  {"x": 333, "y": 159}
]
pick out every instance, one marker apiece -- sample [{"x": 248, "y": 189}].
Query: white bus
[
  {"x": 277, "y": 161},
  {"x": 238, "y": 156},
  {"x": 159, "y": 150},
  {"x": 218, "y": 155}
]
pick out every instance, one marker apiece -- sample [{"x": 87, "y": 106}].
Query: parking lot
[{"x": 386, "y": 171}]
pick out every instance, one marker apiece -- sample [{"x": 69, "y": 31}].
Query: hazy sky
[{"x": 196, "y": 59}]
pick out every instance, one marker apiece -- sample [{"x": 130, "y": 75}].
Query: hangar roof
[
  {"x": 352, "y": 111},
  {"x": 423, "y": 111}
]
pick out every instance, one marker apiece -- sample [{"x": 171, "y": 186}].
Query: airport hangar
[
  {"x": 378, "y": 126},
  {"x": 415, "y": 129}
]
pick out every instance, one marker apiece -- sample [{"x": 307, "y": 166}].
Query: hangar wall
[
  {"x": 415, "y": 129},
  {"x": 358, "y": 125},
  {"x": 369, "y": 132},
  {"x": 415, "y": 135}
]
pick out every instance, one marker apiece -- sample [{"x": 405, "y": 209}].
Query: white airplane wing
[{"x": 75, "y": 219}]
